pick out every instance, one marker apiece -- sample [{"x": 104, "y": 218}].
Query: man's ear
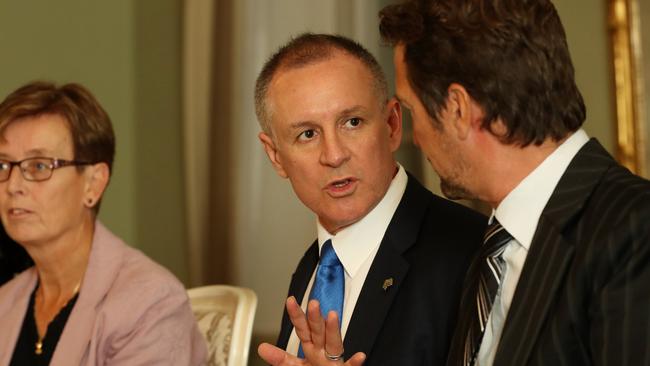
[
  {"x": 273, "y": 154},
  {"x": 459, "y": 111},
  {"x": 394, "y": 122},
  {"x": 97, "y": 176}
]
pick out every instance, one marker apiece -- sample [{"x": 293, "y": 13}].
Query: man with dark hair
[
  {"x": 563, "y": 277},
  {"x": 390, "y": 257}
]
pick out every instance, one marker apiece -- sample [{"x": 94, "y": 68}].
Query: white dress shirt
[
  {"x": 519, "y": 214},
  {"x": 356, "y": 247}
]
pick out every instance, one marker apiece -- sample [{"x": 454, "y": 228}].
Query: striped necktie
[
  {"x": 329, "y": 284},
  {"x": 486, "y": 278}
]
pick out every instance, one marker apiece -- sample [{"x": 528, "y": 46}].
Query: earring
[{"x": 90, "y": 202}]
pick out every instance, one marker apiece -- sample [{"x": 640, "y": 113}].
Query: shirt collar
[
  {"x": 356, "y": 242},
  {"x": 519, "y": 212}
]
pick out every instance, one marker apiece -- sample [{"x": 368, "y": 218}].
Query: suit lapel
[
  {"x": 543, "y": 272},
  {"x": 297, "y": 288},
  {"x": 549, "y": 256},
  {"x": 375, "y": 301}
]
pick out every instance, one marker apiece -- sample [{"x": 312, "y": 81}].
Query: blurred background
[{"x": 191, "y": 186}]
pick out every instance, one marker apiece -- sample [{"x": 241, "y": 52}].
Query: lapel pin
[{"x": 387, "y": 283}]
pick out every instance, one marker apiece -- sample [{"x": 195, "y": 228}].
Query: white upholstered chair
[{"x": 225, "y": 316}]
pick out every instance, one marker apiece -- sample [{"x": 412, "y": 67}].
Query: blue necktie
[{"x": 329, "y": 284}]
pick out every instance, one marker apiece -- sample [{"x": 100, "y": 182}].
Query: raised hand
[{"x": 321, "y": 340}]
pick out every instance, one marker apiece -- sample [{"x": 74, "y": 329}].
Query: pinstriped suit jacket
[{"x": 583, "y": 297}]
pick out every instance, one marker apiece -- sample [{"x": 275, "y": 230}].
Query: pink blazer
[{"x": 130, "y": 311}]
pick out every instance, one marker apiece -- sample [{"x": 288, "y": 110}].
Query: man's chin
[
  {"x": 455, "y": 192},
  {"x": 334, "y": 226}
]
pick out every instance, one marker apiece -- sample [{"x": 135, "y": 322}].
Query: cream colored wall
[
  {"x": 158, "y": 180},
  {"x": 128, "y": 54},
  {"x": 87, "y": 43},
  {"x": 585, "y": 23}
]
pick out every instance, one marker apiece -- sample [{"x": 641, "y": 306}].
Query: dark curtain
[
  {"x": 218, "y": 268},
  {"x": 13, "y": 258}
]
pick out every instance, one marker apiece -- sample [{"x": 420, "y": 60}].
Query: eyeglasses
[{"x": 35, "y": 169}]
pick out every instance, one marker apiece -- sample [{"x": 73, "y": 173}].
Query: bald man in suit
[{"x": 331, "y": 130}]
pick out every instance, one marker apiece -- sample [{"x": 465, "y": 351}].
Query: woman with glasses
[{"x": 89, "y": 299}]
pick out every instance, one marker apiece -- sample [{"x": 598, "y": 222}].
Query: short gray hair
[{"x": 307, "y": 49}]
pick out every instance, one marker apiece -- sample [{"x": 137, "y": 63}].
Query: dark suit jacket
[
  {"x": 583, "y": 297},
  {"x": 426, "y": 250}
]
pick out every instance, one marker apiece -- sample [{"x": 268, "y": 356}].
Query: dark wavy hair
[{"x": 510, "y": 55}]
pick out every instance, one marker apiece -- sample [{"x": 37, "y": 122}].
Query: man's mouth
[
  {"x": 341, "y": 187},
  {"x": 341, "y": 183}
]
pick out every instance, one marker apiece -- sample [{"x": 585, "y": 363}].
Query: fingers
[
  {"x": 333, "y": 341},
  {"x": 356, "y": 360},
  {"x": 299, "y": 320},
  {"x": 316, "y": 324},
  {"x": 276, "y": 356},
  {"x": 318, "y": 337}
]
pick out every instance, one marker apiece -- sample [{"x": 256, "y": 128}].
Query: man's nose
[{"x": 334, "y": 151}]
